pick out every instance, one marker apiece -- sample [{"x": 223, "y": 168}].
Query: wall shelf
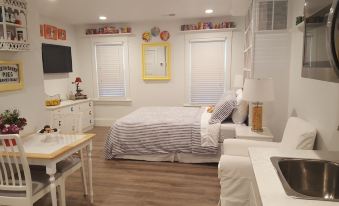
[
  {"x": 14, "y": 46},
  {"x": 108, "y": 35},
  {"x": 249, "y": 42},
  {"x": 248, "y": 48},
  {"x": 14, "y": 25},
  {"x": 15, "y": 4},
  {"x": 208, "y": 30},
  {"x": 300, "y": 27},
  {"x": 13, "y": 37}
]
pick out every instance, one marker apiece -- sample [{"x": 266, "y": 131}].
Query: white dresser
[{"x": 77, "y": 106}]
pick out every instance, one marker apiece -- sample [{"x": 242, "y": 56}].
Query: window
[
  {"x": 271, "y": 15},
  {"x": 111, "y": 70},
  {"x": 208, "y": 67}
]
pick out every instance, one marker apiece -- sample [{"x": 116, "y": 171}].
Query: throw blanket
[
  {"x": 157, "y": 130},
  {"x": 209, "y": 132}
]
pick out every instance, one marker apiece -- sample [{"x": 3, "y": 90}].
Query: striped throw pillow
[{"x": 223, "y": 109}]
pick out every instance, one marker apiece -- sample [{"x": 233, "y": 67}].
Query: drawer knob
[{"x": 90, "y": 112}]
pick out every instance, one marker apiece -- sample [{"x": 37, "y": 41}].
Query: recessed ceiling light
[
  {"x": 102, "y": 17},
  {"x": 209, "y": 11}
]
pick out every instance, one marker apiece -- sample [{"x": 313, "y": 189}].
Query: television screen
[{"x": 56, "y": 58}]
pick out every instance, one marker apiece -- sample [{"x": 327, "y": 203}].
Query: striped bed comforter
[{"x": 157, "y": 130}]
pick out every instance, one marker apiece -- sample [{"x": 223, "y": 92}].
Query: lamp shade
[
  {"x": 258, "y": 90},
  {"x": 238, "y": 81},
  {"x": 78, "y": 80}
]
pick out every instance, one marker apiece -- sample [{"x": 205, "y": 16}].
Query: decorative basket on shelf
[{"x": 11, "y": 123}]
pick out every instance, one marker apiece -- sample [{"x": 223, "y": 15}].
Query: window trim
[
  {"x": 227, "y": 37},
  {"x": 114, "y": 41}
]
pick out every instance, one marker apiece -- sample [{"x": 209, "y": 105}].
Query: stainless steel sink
[{"x": 308, "y": 179}]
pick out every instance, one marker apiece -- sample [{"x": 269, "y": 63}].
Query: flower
[
  {"x": 4, "y": 130},
  {"x": 21, "y": 123},
  {"x": 14, "y": 128},
  {"x": 11, "y": 122}
]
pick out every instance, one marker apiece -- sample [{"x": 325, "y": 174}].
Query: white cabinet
[
  {"x": 85, "y": 107},
  {"x": 245, "y": 132},
  {"x": 87, "y": 114}
]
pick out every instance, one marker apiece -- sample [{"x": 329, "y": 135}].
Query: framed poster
[
  {"x": 11, "y": 76},
  {"x": 50, "y": 32},
  {"x": 61, "y": 34},
  {"x": 41, "y": 30}
]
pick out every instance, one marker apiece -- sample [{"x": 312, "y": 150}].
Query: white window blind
[
  {"x": 207, "y": 71},
  {"x": 110, "y": 70},
  {"x": 271, "y": 15}
]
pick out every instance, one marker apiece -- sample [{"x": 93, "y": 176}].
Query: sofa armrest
[{"x": 239, "y": 147}]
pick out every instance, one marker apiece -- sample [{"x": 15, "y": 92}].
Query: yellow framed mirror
[{"x": 156, "y": 61}]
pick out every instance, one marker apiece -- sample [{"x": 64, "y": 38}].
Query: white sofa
[{"x": 237, "y": 181}]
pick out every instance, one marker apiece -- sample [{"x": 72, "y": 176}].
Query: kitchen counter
[{"x": 270, "y": 187}]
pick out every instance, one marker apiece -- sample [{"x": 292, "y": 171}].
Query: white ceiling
[{"x": 87, "y": 11}]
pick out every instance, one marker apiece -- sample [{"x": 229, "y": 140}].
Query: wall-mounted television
[{"x": 56, "y": 58}]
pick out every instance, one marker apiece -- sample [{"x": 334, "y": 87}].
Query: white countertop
[
  {"x": 67, "y": 103},
  {"x": 47, "y": 144},
  {"x": 270, "y": 188}
]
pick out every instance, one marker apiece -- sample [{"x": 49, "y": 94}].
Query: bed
[{"x": 167, "y": 134}]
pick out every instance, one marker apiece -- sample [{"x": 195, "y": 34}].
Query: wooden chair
[
  {"x": 69, "y": 123},
  {"x": 19, "y": 186}
]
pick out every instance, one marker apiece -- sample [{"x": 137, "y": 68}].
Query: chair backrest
[
  {"x": 67, "y": 123},
  {"x": 15, "y": 175},
  {"x": 298, "y": 134}
]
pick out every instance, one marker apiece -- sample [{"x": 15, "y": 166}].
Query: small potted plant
[{"x": 11, "y": 123}]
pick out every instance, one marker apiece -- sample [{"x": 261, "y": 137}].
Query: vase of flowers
[{"x": 11, "y": 123}]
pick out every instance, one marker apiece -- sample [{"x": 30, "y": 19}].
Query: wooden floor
[{"x": 139, "y": 183}]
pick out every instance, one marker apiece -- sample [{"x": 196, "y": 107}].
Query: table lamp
[
  {"x": 77, "y": 82},
  {"x": 258, "y": 91},
  {"x": 238, "y": 82}
]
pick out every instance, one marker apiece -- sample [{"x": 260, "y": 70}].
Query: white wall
[
  {"x": 271, "y": 60},
  {"x": 149, "y": 93},
  {"x": 30, "y": 100},
  {"x": 313, "y": 100},
  {"x": 61, "y": 83}
]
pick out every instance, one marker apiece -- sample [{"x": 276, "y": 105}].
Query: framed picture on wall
[
  {"x": 61, "y": 34},
  {"x": 11, "y": 76},
  {"x": 51, "y": 32},
  {"x": 41, "y": 30}
]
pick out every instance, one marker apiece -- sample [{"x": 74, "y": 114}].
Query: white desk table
[{"x": 49, "y": 153}]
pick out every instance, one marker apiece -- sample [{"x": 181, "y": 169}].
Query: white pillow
[
  {"x": 240, "y": 112},
  {"x": 298, "y": 134},
  {"x": 238, "y": 94}
]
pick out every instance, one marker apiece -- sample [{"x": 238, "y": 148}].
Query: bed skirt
[{"x": 176, "y": 157}]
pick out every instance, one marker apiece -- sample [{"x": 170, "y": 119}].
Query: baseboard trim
[{"x": 102, "y": 122}]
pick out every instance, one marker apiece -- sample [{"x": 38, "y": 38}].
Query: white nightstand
[{"x": 245, "y": 132}]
